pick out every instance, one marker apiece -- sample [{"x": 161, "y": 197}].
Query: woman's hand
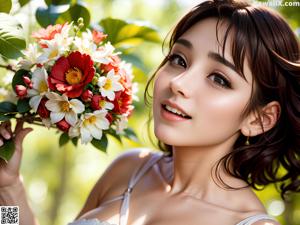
[{"x": 9, "y": 172}]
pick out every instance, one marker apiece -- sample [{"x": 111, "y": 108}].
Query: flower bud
[
  {"x": 27, "y": 81},
  {"x": 87, "y": 95},
  {"x": 21, "y": 91},
  {"x": 42, "y": 110},
  {"x": 109, "y": 117},
  {"x": 63, "y": 125}
]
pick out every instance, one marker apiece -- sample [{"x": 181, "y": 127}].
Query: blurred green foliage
[{"x": 58, "y": 180}]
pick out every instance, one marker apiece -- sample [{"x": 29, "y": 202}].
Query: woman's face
[{"x": 198, "y": 96}]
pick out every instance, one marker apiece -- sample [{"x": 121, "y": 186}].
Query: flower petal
[
  {"x": 53, "y": 106},
  {"x": 95, "y": 132},
  {"x": 85, "y": 135},
  {"x": 71, "y": 118},
  {"x": 34, "y": 102},
  {"x": 77, "y": 105},
  {"x": 56, "y": 116}
]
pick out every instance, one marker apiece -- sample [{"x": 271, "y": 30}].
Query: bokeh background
[{"x": 58, "y": 179}]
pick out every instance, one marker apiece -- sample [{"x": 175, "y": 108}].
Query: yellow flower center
[
  {"x": 90, "y": 120},
  {"x": 53, "y": 53},
  {"x": 73, "y": 76},
  {"x": 102, "y": 104},
  {"x": 43, "y": 87},
  {"x": 107, "y": 85},
  {"x": 64, "y": 106}
]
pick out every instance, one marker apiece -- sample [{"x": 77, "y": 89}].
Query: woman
[{"x": 226, "y": 112}]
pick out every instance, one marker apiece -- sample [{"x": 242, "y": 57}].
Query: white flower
[
  {"x": 92, "y": 125},
  {"x": 103, "y": 54},
  {"x": 60, "y": 107},
  {"x": 85, "y": 44},
  {"x": 109, "y": 84},
  {"x": 30, "y": 57},
  {"x": 55, "y": 48},
  {"x": 39, "y": 87},
  {"x": 121, "y": 124}
]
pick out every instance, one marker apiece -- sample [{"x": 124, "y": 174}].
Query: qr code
[{"x": 9, "y": 215}]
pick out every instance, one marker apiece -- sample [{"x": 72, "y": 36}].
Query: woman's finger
[
  {"x": 8, "y": 126},
  {"x": 5, "y": 133},
  {"x": 1, "y": 142}
]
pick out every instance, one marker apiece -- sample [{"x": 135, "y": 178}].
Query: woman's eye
[
  {"x": 176, "y": 59},
  {"x": 220, "y": 80}
]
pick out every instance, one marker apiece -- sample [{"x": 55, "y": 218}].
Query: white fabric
[{"x": 252, "y": 219}]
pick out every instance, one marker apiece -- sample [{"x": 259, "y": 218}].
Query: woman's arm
[
  {"x": 12, "y": 192},
  {"x": 15, "y": 195}
]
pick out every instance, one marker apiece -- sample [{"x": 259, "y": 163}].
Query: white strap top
[{"x": 124, "y": 210}]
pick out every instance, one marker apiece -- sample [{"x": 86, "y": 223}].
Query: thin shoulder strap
[
  {"x": 252, "y": 219},
  {"x": 124, "y": 212}
]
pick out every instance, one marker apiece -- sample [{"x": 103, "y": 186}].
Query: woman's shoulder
[{"x": 124, "y": 165}]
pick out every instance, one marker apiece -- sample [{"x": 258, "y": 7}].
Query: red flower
[
  {"x": 70, "y": 74},
  {"x": 42, "y": 110},
  {"x": 109, "y": 117},
  {"x": 63, "y": 125},
  {"x": 97, "y": 102},
  {"x": 122, "y": 102},
  {"x": 48, "y": 33},
  {"x": 27, "y": 81},
  {"x": 114, "y": 65},
  {"x": 21, "y": 91},
  {"x": 87, "y": 96},
  {"x": 98, "y": 36}
]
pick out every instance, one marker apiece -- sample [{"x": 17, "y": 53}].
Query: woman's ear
[{"x": 257, "y": 123}]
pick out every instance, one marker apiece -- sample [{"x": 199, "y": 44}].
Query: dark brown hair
[{"x": 264, "y": 38}]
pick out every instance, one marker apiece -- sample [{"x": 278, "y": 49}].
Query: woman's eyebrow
[{"x": 217, "y": 57}]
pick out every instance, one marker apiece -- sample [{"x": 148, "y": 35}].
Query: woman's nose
[{"x": 179, "y": 86}]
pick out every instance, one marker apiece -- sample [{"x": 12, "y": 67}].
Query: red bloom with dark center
[
  {"x": 70, "y": 74},
  {"x": 122, "y": 102}
]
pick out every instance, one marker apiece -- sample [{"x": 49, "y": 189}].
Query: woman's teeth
[{"x": 176, "y": 111}]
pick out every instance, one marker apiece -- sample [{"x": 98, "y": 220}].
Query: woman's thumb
[{"x": 21, "y": 135}]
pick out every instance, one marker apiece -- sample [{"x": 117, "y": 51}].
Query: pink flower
[
  {"x": 21, "y": 91},
  {"x": 114, "y": 65},
  {"x": 98, "y": 36},
  {"x": 48, "y": 33},
  {"x": 27, "y": 81}
]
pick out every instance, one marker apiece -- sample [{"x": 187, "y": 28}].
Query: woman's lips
[{"x": 170, "y": 116}]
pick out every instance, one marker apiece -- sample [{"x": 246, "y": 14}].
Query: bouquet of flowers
[{"x": 74, "y": 81}]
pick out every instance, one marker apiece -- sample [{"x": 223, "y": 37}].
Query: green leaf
[
  {"x": 130, "y": 134},
  {"x": 5, "y": 117},
  {"x": 115, "y": 135},
  {"x": 75, "y": 141},
  {"x": 5, "y": 6},
  {"x": 23, "y": 2},
  {"x": 12, "y": 39},
  {"x": 74, "y": 13},
  {"x": 17, "y": 79},
  {"x": 63, "y": 139},
  {"x": 57, "y": 2},
  {"x": 23, "y": 105},
  {"x": 127, "y": 34},
  {"x": 100, "y": 144},
  {"x": 7, "y": 107},
  {"x": 49, "y": 15},
  {"x": 7, "y": 150}
]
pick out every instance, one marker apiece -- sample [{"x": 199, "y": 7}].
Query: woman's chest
[{"x": 154, "y": 209}]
